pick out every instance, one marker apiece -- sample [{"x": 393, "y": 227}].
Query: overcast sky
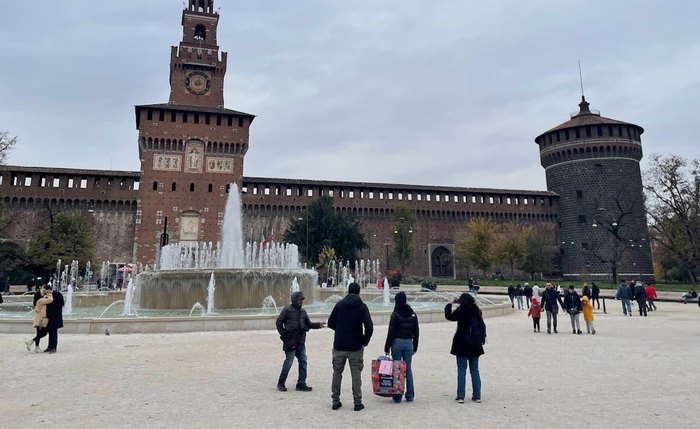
[{"x": 433, "y": 92}]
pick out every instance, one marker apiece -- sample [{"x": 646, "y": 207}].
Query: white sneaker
[
  {"x": 37, "y": 350},
  {"x": 29, "y": 345}
]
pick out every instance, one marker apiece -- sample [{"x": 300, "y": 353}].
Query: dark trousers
[
  {"x": 356, "y": 361},
  {"x": 536, "y": 323},
  {"x": 40, "y": 333},
  {"x": 53, "y": 338},
  {"x": 642, "y": 304},
  {"x": 651, "y": 305},
  {"x": 596, "y": 300}
]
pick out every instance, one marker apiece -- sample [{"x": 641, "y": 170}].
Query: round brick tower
[{"x": 592, "y": 163}]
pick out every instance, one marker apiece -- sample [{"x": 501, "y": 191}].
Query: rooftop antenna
[{"x": 580, "y": 76}]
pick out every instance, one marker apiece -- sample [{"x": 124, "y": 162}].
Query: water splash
[
  {"x": 295, "y": 286},
  {"x": 386, "y": 291},
  {"x": 269, "y": 304},
  {"x": 121, "y": 301},
  {"x": 129, "y": 306},
  {"x": 231, "y": 234},
  {"x": 196, "y": 306},
  {"x": 210, "y": 294}
]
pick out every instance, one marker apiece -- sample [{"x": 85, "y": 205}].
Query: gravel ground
[{"x": 635, "y": 372}]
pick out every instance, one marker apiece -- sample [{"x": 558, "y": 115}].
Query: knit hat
[
  {"x": 400, "y": 298},
  {"x": 354, "y": 288},
  {"x": 534, "y": 300}
]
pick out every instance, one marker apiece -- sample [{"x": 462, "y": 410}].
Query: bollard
[{"x": 604, "y": 309}]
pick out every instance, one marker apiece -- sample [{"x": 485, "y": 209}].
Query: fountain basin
[
  {"x": 239, "y": 322},
  {"x": 236, "y": 288}
]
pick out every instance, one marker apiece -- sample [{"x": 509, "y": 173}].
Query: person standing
[
  {"x": 519, "y": 297},
  {"x": 640, "y": 295},
  {"x": 572, "y": 305},
  {"x": 536, "y": 291},
  {"x": 466, "y": 315},
  {"x": 586, "y": 291},
  {"x": 651, "y": 296},
  {"x": 536, "y": 313},
  {"x": 595, "y": 294},
  {"x": 54, "y": 312},
  {"x": 292, "y": 325},
  {"x": 352, "y": 323},
  {"x": 587, "y": 309},
  {"x": 624, "y": 294},
  {"x": 42, "y": 298},
  {"x": 511, "y": 295},
  {"x": 402, "y": 340},
  {"x": 527, "y": 291},
  {"x": 550, "y": 303}
]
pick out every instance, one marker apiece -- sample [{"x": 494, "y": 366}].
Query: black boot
[
  {"x": 281, "y": 387},
  {"x": 303, "y": 387}
]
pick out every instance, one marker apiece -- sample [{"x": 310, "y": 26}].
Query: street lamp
[
  {"x": 369, "y": 245},
  {"x": 402, "y": 241},
  {"x": 307, "y": 236}
]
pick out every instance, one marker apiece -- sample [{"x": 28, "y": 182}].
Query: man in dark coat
[
  {"x": 595, "y": 294},
  {"x": 469, "y": 319},
  {"x": 527, "y": 291},
  {"x": 550, "y": 302},
  {"x": 54, "y": 312},
  {"x": 292, "y": 324},
  {"x": 511, "y": 295},
  {"x": 572, "y": 306},
  {"x": 640, "y": 295},
  {"x": 352, "y": 323}
]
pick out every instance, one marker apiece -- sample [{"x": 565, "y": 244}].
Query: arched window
[
  {"x": 191, "y": 187},
  {"x": 155, "y": 186},
  {"x": 211, "y": 187},
  {"x": 200, "y": 32},
  {"x": 173, "y": 186}
]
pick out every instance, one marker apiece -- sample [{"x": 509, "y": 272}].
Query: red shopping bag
[{"x": 388, "y": 376}]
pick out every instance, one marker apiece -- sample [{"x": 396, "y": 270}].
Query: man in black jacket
[
  {"x": 550, "y": 302},
  {"x": 54, "y": 312},
  {"x": 292, "y": 324},
  {"x": 347, "y": 319}
]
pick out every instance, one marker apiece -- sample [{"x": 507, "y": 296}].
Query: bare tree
[
  {"x": 672, "y": 184},
  {"x": 6, "y": 144}
]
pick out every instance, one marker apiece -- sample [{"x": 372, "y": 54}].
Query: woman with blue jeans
[
  {"x": 402, "y": 340},
  {"x": 466, "y": 315}
]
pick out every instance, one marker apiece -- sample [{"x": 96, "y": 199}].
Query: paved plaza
[{"x": 635, "y": 372}]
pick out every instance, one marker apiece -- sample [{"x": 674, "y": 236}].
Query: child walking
[
  {"x": 588, "y": 315},
  {"x": 535, "y": 312}
]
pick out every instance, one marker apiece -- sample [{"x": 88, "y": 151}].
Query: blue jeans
[
  {"x": 626, "y": 307},
  {"x": 300, "y": 354},
  {"x": 462, "y": 376},
  {"x": 520, "y": 302},
  {"x": 402, "y": 349}
]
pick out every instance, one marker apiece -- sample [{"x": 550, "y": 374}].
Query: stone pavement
[{"x": 636, "y": 372}]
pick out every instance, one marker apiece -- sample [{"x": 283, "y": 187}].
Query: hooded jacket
[
  {"x": 572, "y": 301},
  {"x": 587, "y": 309},
  {"x": 623, "y": 291},
  {"x": 352, "y": 324},
  {"x": 403, "y": 324},
  {"x": 463, "y": 315},
  {"x": 293, "y": 323}
]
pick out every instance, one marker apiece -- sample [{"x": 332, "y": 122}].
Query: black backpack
[{"x": 476, "y": 332}]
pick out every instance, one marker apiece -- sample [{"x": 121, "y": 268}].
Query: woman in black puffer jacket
[
  {"x": 402, "y": 339},
  {"x": 466, "y": 315}
]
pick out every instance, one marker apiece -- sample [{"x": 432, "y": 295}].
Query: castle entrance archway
[{"x": 441, "y": 262}]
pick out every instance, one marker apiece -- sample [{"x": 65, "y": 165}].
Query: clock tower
[{"x": 190, "y": 148}]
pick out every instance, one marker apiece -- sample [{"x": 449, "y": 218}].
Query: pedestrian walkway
[{"x": 227, "y": 379}]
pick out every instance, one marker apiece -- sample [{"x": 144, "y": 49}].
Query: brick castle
[{"x": 192, "y": 147}]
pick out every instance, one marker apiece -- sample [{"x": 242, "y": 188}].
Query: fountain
[{"x": 245, "y": 275}]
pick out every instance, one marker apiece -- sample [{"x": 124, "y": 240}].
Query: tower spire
[{"x": 583, "y": 105}]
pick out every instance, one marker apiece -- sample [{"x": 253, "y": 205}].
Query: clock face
[{"x": 197, "y": 83}]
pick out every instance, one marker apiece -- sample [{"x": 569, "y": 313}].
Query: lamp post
[
  {"x": 402, "y": 234},
  {"x": 369, "y": 245},
  {"x": 612, "y": 226},
  {"x": 307, "y": 237}
]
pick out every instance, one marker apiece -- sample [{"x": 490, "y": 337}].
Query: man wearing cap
[
  {"x": 292, "y": 324},
  {"x": 353, "y": 328}
]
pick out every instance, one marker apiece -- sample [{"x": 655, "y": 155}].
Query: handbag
[
  {"x": 44, "y": 322},
  {"x": 573, "y": 310}
]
